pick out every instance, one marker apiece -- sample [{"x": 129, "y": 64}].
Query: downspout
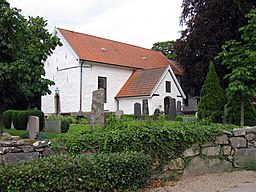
[
  {"x": 117, "y": 103},
  {"x": 81, "y": 88}
]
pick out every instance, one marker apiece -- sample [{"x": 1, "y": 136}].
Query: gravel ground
[{"x": 236, "y": 181}]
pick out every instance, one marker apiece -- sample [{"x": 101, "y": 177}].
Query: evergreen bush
[
  {"x": 22, "y": 118},
  {"x": 126, "y": 171},
  {"x": 7, "y": 118},
  {"x": 212, "y": 98},
  {"x": 64, "y": 126},
  {"x": 15, "y": 119}
]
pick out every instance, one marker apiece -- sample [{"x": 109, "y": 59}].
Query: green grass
[{"x": 75, "y": 128}]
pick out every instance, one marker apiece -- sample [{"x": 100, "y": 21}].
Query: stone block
[
  {"x": 250, "y": 137},
  {"x": 192, "y": 151},
  {"x": 239, "y": 132},
  {"x": 40, "y": 144},
  {"x": 244, "y": 156},
  {"x": 176, "y": 164},
  {"x": 250, "y": 130},
  {"x": 18, "y": 157},
  {"x": 199, "y": 166},
  {"x": 47, "y": 152},
  {"x": 27, "y": 149},
  {"x": 206, "y": 144},
  {"x": 211, "y": 151},
  {"x": 52, "y": 126},
  {"x": 238, "y": 142},
  {"x": 226, "y": 150},
  {"x": 97, "y": 108},
  {"x": 222, "y": 140}
]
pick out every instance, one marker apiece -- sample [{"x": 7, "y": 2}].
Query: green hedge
[
  {"x": 20, "y": 118},
  {"x": 7, "y": 118},
  {"x": 126, "y": 171},
  {"x": 162, "y": 139}
]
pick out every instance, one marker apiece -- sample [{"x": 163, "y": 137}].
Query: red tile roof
[
  {"x": 106, "y": 51},
  {"x": 141, "y": 83}
]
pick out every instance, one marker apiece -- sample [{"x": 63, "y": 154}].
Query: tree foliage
[
  {"x": 25, "y": 45},
  {"x": 240, "y": 57},
  {"x": 209, "y": 24},
  {"x": 167, "y": 48},
  {"x": 212, "y": 97}
]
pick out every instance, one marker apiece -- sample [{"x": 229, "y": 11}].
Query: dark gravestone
[
  {"x": 156, "y": 114},
  {"x": 97, "y": 116},
  {"x": 179, "y": 108},
  {"x": 145, "y": 111},
  {"x": 137, "y": 110},
  {"x": 172, "y": 114}
]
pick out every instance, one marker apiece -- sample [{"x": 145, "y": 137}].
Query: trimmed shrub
[
  {"x": 212, "y": 98},
  {"x": 64, "y": 126},
  {"x": 126, "y": 171},
  {"x": 15, "y": 119},
  {"x": 22, "y": 118},
  {"x": 7, "y": 118},
  {"x": 40, "y": 114}
]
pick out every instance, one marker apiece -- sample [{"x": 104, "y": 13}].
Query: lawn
[{"x": 74, "y": 128}]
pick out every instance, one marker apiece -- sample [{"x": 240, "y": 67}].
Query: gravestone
[
  {"x": 156, "y": 114},
  {"x": 145, "y": 111},
  {"x": 52, "y": 126},
  {"x": 225, "y": 112},
  {"x": 172, "y": 114},
  {"x": 33, "y": 127},
  {"x": 119, "y": 113},
  {"x": 179, "y": 108},
  {"x": 137, "y": 110},
  {"x": 97, "y": 115}
]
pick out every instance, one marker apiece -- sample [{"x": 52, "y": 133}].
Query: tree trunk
[
  {"x": 1, "y": 120},
  {"x": 242, "y": 113}
]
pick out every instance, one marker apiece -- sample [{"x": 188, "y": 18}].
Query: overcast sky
[{"x": 137, "y": 22}]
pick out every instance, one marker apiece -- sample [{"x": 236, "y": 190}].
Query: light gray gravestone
[
  {"x": 119, "y": 113},
  {"x": 33, "y": 127}
]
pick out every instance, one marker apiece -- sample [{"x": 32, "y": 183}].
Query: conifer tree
[{"x": 212, "y": 97}]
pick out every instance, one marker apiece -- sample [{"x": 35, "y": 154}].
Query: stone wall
[
  {"x": 231, "y": 150},
  {"x": 13, "y": 149}
]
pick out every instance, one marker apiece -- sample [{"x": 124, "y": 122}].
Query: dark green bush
[
  {"x": 64, "y": 126},
  {"x": 7, "y": 118},
  {"x": 212, "y": 98},
  {"x": 15, "y": 119},
  {"x": 22, "y": 117},
  {"x": 40, "y": 114},
  {"x": 126, "y": 171}
]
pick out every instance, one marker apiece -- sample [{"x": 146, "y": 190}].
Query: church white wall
[
  {"x": 62, "y": 67},
  {"x": 116, "y": 78}
]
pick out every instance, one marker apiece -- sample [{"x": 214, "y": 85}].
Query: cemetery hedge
[
  {"x": 20, "y": 118},
  {"x": 125, "y": 171},
  {"x": 162, "y": 140}
]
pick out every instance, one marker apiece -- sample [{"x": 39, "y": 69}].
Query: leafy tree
[
  {"x": 212, "y": 97},
  {"x": 167, "y": 48},
  {"x": 209, "y": 24},
  {"x": 240, "y": 57},
  {"x": 24, "y": 45}
]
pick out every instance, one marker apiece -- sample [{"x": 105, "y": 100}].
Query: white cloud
[{"x": 138, "y": 22}]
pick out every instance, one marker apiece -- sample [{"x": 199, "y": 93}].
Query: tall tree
[
  {"x": 240, "y": 57},
  {"x": 209, "y": 24},
  {"x": 24, "y": 45},
  {"x": 212, "y": 97},
  {"x": 167, "y": 48}
]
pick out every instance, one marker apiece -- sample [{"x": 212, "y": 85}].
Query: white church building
[{"x": 127, "y": 73}]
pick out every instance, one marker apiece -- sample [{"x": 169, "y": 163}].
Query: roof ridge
[{"x": 108, "y": 39}]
